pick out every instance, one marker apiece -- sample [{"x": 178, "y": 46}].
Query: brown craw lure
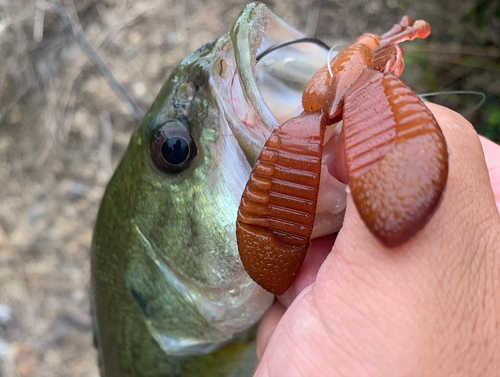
[{"x": 396, "y": 160}]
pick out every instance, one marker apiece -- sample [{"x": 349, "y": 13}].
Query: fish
[{"x": 169, "y": 293}]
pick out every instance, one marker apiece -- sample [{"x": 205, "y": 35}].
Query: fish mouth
[
  {"x": 273, "y": 86},
  {"x": 269, "y": 92}
]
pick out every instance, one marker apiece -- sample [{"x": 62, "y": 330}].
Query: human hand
[{"x": 430, "y": 307}]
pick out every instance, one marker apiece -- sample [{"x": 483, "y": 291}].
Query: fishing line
[
  {"x": 481, "y": 102},
  {"x": 315, "y": 41},
  {"x": 323, "y": 45},
  {"x": 328, "y": 61}
]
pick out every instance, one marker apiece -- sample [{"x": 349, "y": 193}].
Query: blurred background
[{"x": 63, "y": 130}]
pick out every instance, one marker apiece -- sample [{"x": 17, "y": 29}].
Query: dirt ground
[{"x": 63, "y": 131}]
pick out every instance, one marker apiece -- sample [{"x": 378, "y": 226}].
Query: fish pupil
[
  {"x": 175, "y": 150},
  {"x": 171, "y": 148}
]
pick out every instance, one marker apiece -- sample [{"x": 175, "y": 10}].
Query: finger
[
  {"x": 267, "y": 326},
  {"x": 492, "y": 157},
  {"x": 316, "y": 255}
]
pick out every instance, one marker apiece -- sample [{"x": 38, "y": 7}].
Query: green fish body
[{"x": 170, "y": 296}]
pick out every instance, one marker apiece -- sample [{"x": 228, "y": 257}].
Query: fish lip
[
  {"x": 255, "y": 31},
  {"x": 277, "y": 81},
  {"x": 247, "y": 35}
]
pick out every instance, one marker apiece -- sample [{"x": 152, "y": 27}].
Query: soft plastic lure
[{"x": 396, "y": 160}]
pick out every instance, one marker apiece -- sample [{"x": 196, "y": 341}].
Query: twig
[
  {"x": 96, "y": 59},
  {"x": 312, "y": 19},
  {"x": 106, "y": 143},
  {"x": 38, "y": 25}
]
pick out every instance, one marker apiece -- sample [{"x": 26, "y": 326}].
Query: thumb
[{"x": 438, "y": 288}]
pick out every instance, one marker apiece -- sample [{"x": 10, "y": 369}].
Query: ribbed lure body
[{"x": 278, "y": 206}]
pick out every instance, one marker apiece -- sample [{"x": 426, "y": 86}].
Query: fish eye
[{"x": 171, "y": 148}]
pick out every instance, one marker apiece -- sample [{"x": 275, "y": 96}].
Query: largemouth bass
[{"x": 170, "y": 295}]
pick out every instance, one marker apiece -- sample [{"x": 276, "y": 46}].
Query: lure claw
[{"x": 396, "y": 156}]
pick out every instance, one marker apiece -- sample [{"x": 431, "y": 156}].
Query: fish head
[
  {"x": 188, "y": 172},
  {"x": 178, "y": 187}
]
